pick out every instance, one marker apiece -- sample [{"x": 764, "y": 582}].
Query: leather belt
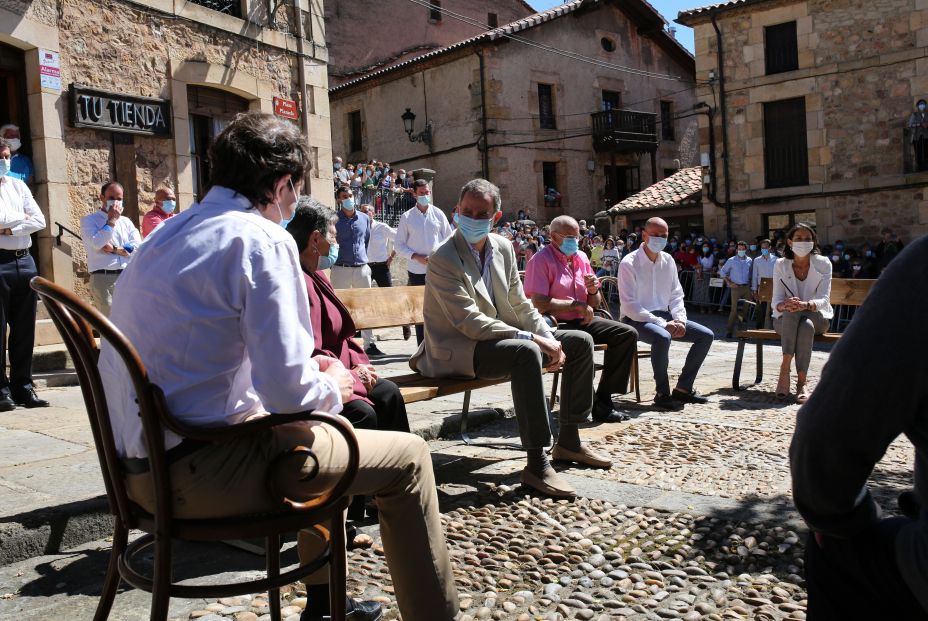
[
  {"x": 13, "y": 254},
  {"x": 140, "y": 465},
  {"x": 106, "y": 272},
  {"x": 346, "y": 265}
]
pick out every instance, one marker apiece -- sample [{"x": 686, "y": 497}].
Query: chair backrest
[
  {"x": 765, "y": 290},
  {"x": 75, "y": 320},
  {"x": 850, "y": 291},
  {"x": 383, "y": 308}
]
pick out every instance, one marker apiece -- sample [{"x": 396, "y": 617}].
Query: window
[
  {"x": 621, "y": 182},
  {"x": 781, "y": 51},
  {"x": 786, "y": 157},
  {"x": 776, "y": 222},
  {"x": 612, "y": 100},
  {"x": 669, "y": 172},
  {"x": 355, "y": 140},
  {"x": 667, "y": 120},
  {"x": 546, "y": 107},
  {"x": 492, "y": 20},
  {"x": 229, "y": 7},
  {"x": 607, "y": 44},
  {"x": 434, "y": 11},
  {"x": 210, "y": 110},
  {"x": 549, "y": 180}
]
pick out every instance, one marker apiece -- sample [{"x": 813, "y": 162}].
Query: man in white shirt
[
  {"x": 234, "y": 340},
  {"x": 19, "y": 218},
  {"x": 340, "y": 173},
  {"x": 109, "y": 238},
  {"x": 652, "y": 302},
  {"x": 420, "y": 232}
]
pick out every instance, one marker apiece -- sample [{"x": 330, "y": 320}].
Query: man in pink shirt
[
  {"x": 560, "y": 282},
  {"x": 165, "y": 204}
]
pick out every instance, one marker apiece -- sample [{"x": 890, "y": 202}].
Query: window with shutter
[
  {"x": 786, "y": 154},
  {"x": 781, "y": 50},
  {"x": 546, "y": 107}
]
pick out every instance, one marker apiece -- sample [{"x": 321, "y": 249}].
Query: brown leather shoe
[
  {"x": 584, "y": 456},
  {"x": 550, "y": 484}
]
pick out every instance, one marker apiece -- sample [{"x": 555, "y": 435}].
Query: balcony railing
[
  {"x": 624, "y": 131},
  {"x": 229, "y": 7}
]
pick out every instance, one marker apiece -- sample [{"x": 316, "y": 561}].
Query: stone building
[
  {"x": 677, "y": 199},
  {"x": 592, "y": 97},
  {"x": 812, "y": 99},
  {"x": 136, "y": 91},
  {"x": 362, "y": 39}
]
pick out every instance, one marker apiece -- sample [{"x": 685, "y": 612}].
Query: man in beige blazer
[{"x": 478, "y": 323}]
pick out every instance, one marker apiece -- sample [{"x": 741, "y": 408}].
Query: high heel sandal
[
  {"x": 783, "y": 386},
  {"x": 802, "y": 392}
]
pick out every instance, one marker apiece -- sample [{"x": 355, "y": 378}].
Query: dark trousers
[
  {"x": 858, "y": 578},
  {"x": 388, "y": 412},
  {"x": 617, "y": 362},
  {"x": 521, "y": 361},
  {"x": 417, "y": 280},
  {"x": 17, "y": 310},
  {"x": 380, "y": 274}
]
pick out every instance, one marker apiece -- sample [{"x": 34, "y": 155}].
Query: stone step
[
  {"x": 41, "y": 312},
  {"x": 46, "y": 333},
  {"x": 54, "y": 379},
  {"x": 50, "y": 358}
]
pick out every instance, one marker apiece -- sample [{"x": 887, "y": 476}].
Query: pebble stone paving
[{"x": 524, "y": 558}]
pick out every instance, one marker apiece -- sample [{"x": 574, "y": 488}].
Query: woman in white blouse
[{"x": 801, "y": 308}]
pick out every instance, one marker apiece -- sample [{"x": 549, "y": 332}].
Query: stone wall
[{"x": 362, "y": 38}]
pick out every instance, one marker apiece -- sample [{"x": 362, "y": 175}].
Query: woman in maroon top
[{"x": 376, "y": 402}]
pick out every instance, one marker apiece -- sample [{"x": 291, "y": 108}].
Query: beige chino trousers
[{"x": 229, "y": 479}]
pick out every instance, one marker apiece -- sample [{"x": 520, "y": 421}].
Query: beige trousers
[
  {"x": 229, "y": 479},
  {"x": 101, "y": 286}
]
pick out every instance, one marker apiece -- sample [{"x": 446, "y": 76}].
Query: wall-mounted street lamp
[{"x": 409, "y": 124}]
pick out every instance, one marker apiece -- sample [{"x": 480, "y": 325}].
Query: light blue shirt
[{"x": 737, "y": 270}]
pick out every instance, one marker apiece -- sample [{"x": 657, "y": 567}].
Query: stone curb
[{"x": 54, "y": 529}]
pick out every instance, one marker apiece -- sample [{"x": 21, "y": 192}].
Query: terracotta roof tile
[{"x": 682, "y": 186}]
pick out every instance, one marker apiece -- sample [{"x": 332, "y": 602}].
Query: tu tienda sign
[{"x": 116, "y": 112}]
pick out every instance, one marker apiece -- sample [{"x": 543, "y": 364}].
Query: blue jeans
[{"x": 700, "y": 336}]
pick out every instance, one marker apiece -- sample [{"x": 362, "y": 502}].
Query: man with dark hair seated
[{"x": 236, "y": 343}]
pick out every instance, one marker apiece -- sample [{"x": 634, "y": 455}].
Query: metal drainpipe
[
  {"x": 713, "y": 183},
  {"x": 301, "y": 75},
  {"x": 725, "y": 155},
  {"x": 483, "y": 118}
]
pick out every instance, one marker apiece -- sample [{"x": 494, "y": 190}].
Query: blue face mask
[
  {"x": 168, "y": 206},
  {"x": 753, "y": 248},
  {"x": 4, "y": 167},
  {"x": 741, "y": 253},
  {"x": 765, "y": 251},
  {"x": 329, "y": 260},
  {"x": 656, "y": 244},
  {"x": 348, "y": 204},
  {"x": 424, "y": 201},
  {"x": 337, "y": 165},
  {"x": 472, "y": 229},
  {"x": 570, "y": 246}
]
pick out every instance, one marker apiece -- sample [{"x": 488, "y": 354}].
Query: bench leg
[
  {"x": 736, "y": 376},
  {"x": 760, "y": 363},
  {"x": 465, "y": 436},
  {"x": 554, "y": 383},
  {"x": 636, "y": 378}
]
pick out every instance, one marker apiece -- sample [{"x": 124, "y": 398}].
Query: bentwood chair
[{"x": 322, "y": 515}]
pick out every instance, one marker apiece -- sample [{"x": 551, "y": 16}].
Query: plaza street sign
[
  {"x": 117, "y": 112},
  {"x": 286, "y": 108}
]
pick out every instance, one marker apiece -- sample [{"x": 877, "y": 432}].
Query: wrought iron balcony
[
  {"x": 624, "y": 131},
  {"x": 229, "y": 7}
]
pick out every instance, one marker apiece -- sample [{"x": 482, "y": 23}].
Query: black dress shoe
[
  {"x": 604, "y": 413},
  {"x": 689, "y": 397},
  {"x": 28, "y": 399},
  {"x": 6, "y": 402},
  {"x": 666, "y": 402},
  {"x": 373, "y": 350},
  {"x": 407, "y": 332},
  {"x": 360, "y": 611}
]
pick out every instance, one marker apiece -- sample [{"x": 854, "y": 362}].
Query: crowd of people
[{"x": 256, "y": 327}]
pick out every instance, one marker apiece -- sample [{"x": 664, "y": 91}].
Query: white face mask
[
  {"x": 802, "y": 248},
  {"x": 15, "y": 144}
]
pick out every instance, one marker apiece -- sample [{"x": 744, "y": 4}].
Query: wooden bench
[
  {"x": 392, "y": 307},
  {"x": 844, "y": 292}
]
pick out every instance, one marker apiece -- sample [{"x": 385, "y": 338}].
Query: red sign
[{"x": 286, "y": 108}]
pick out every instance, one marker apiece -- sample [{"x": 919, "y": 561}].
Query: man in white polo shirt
[
  {"x": 420, "y": 232},
  {"x": 110, "y": 238},
  {"x": 652, "y": 303}
]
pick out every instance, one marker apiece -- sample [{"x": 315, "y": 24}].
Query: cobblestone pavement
[{"x": 693, "y": 522}]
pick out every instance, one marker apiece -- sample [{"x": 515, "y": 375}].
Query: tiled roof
[
  {"x": 705, "y": 11},
  {"x": 676, "y": 189},
  {"x": 502, "y": 32}
]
